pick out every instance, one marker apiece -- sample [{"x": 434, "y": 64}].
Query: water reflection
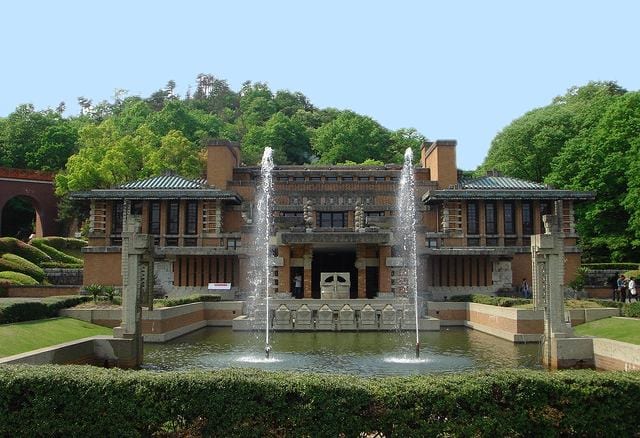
[{"x": 365, "y": 353}]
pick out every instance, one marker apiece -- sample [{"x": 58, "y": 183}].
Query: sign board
[{"x": 219, "y": 286}]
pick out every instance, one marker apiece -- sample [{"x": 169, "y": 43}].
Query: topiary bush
[
  {"x": 13, "y": 262},
  {"x": 18, "y": 247},
  {"x": 55, "y": 254},
  {"x": 88, "y": 401},
  {"x": 61, "y": 243},
  {"x": 32, "y": 310},
  {"x": 18, "y": 278}
]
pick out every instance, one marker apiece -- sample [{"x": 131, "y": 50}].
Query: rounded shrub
[
  {"x": 13, "y": 262},
  {"x": 18, "y": 247},
  {"x": 17, "y": 278},
  {"x": 55, "y": 254}
]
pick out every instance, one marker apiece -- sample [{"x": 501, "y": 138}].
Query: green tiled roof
[
  {"x": 499, "y": 182},
  {"x": 165, "y": 182}
]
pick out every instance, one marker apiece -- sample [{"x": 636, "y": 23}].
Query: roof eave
[
  {"x": 548, "y": 194},
  {"x": 115, "y": 194}
]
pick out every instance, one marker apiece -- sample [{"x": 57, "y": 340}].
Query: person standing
[
  {"x": 622, "y": 288},
  {"x": 524, "y": 288},
  {"x": 297, "y": 289},
  {"x": 613, "y": 282},
  {"x": 633, "y": 293}
]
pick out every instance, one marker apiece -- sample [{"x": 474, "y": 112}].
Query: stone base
[{"x": 569, "y": 353}]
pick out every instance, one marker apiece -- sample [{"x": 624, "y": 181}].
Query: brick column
[
  {"x": 384, "y": 272},
  {"x": 284, "y": 271},
  {"x": 362, "y": 271}
]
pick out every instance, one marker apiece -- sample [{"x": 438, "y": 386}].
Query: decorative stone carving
[
  {"x": 346, "y": 318},
  {"x": 303, "y": 318},
  {"x": 325, "y": 318},
  {"x": 282, "y": 320},
  {"x": 388, "y": 318},
  {"x": 368, "y": 318}
]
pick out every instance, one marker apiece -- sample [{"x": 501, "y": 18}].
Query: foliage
[
  {"x": 586, "y": 140},
  {"x": 55, "y": 254},
  {"x": 62, "y": 265},
  {"x": 28, "y": 252},
  {"x": 12, "y": 262},
  {"x": 614, "y": 266},
  {"x": 631, "y": 310},
  {"x": 94, "y": 290},
  {"x": 32, "y": 310},
  {"x": 62, "y": 243},
  {"x": 172, "y": 302},
  {"x": 72, "y": 401},
  {"x": 489, "y": 299},
  {"x": 577, "y": 284},
  {"x": 17, "y": 278},
  {"x": 27, "y": 336}
]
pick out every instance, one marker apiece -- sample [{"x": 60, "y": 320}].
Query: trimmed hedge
[
  {"x": 18, "y": 247},
  {"x": 32, "y": 310},
  {"x": 616, "y": 266},
  {"x": 88, "y": 401},
  {"x": 13, "y": 262},
  {"x": 61, "y": 265},
  {"x": 61, "y": 243},
  {"x": 172, "y": 302},
  {"x": 18, "y": 278},
  {"x": 491, "y": 300},
  {"x": 631, "y": 310},
  {"x": 55, "y": 254}
]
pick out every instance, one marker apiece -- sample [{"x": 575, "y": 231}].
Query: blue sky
[{"x": 455, "y": 69}]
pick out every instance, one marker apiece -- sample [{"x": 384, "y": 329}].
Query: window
[
  {"x": 509, "y": 219},
  {"x": 492, "y": 241},
  {"x": 154, "y": 217},
  {"x": 347, "y": 178},
  {"x": 298, "y": 178},
  {"x": 116, "y": 222},
  {"x": 191, "y": 218},
  {"x": 292, "y": 214},
  {"x": 374, "y": 213},
  {"x": 314, "y": 178},
  {"x": 490, "y": 224},
  {"x": 363, "y": 178},
  {"x": 379, "y": 178},
  {"x": 472, "y": 218},
  {"x": 331, "y": 178},
  {"x": 473, "y": 241},
  {"x": 527, "y": 222},
  {"x": 173, "y": 208},
  {"x": 332, "y": 219},
  {"x": 136, "y": 208},
  {"x": 233, "y": 243},
  {"x": 283, "y": 178}
]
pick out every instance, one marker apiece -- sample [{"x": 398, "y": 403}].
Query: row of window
[
  {"x": 172, "y": 226},
  {"x": 332, "y": 219},
  {"x": 491, "y": 214},
  {"x": 334, "y": 178}
]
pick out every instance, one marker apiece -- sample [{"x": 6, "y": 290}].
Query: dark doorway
[
  {"x": 18, "y": 218},
  {"x": 333, "y": 261},
  {"x": 298, "y": 271},
  {"x": 372, "y": 281}
]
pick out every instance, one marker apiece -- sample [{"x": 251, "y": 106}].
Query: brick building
[{"x": 473, "y": 234}]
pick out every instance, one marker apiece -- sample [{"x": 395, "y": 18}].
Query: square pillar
[
  {"x": 384, "y": 272},
  {"x": 284, "y": 271},
  {"x": 308, "y": 257}
]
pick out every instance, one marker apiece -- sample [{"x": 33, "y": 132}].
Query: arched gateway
[{"x": 29, "y": 189}]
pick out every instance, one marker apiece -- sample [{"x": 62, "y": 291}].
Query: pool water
[{"x": 358, "y": 353}]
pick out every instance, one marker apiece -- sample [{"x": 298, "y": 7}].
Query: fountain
[
  {"x": 261, "y": 275},
  {"x": 406, "y": 237}
]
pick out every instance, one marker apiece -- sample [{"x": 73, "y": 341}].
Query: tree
[
  {"x": 287, "y": 136},
  {"x": 350, "y": 137}
]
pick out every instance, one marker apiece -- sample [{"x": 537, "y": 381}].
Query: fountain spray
[
  {"x": 407, "y": 231},
  {"x": 263, "y": 231}
]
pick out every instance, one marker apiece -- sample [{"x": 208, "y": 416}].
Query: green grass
[
  {"x": 31, "y": 335},
  {"x": 619, "y": 329}
]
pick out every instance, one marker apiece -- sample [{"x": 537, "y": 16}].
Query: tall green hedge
[
  {"x": 13, "y": 262},
  {"x": 15, "y": 246},
  {"x": 88, "y": 402}
]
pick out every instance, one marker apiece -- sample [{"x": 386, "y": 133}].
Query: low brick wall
[
  {"x": 510, "y": 323},
  {"x": 614, "y": 355},
  {"x": 41, "y": 291},
  {"x": 95, "y": 350},
  {"x": 164, "y": 324},
  {"x": 602, "y": 292}
]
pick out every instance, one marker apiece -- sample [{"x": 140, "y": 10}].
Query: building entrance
[{"x": 333, "y": 261}]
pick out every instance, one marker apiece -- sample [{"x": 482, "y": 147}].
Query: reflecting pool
[{"x": 365, "y": 353}]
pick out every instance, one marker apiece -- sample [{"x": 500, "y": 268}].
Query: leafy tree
[
  {"x": 350, "y": 136},
  {"x": 287, "y": 136}
]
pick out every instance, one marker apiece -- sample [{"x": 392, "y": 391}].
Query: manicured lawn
[
  {"x": 31, "y": 335},
  {"x": 619, "y": 329}
]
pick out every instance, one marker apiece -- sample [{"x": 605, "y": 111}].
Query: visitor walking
[
  {"x": 613, "y": 282},
  {"x": 524, "y": 288},
  {"x": 622, "y": 288},
  {"x": 633, "y": 293}
]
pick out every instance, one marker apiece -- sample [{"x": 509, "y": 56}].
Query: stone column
[
  {"x": 361, "y": 266},
  {"x": 308, "y": 257}
]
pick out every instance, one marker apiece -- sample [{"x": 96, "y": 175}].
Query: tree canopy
[{"x": 587, "y": 139}]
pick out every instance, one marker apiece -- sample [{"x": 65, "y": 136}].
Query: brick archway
[{"x": 37, "y": 187}]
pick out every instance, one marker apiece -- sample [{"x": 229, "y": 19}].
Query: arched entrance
[
  {"x": 19, "y": 218},
  {"x": 27, "y": 203}
]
